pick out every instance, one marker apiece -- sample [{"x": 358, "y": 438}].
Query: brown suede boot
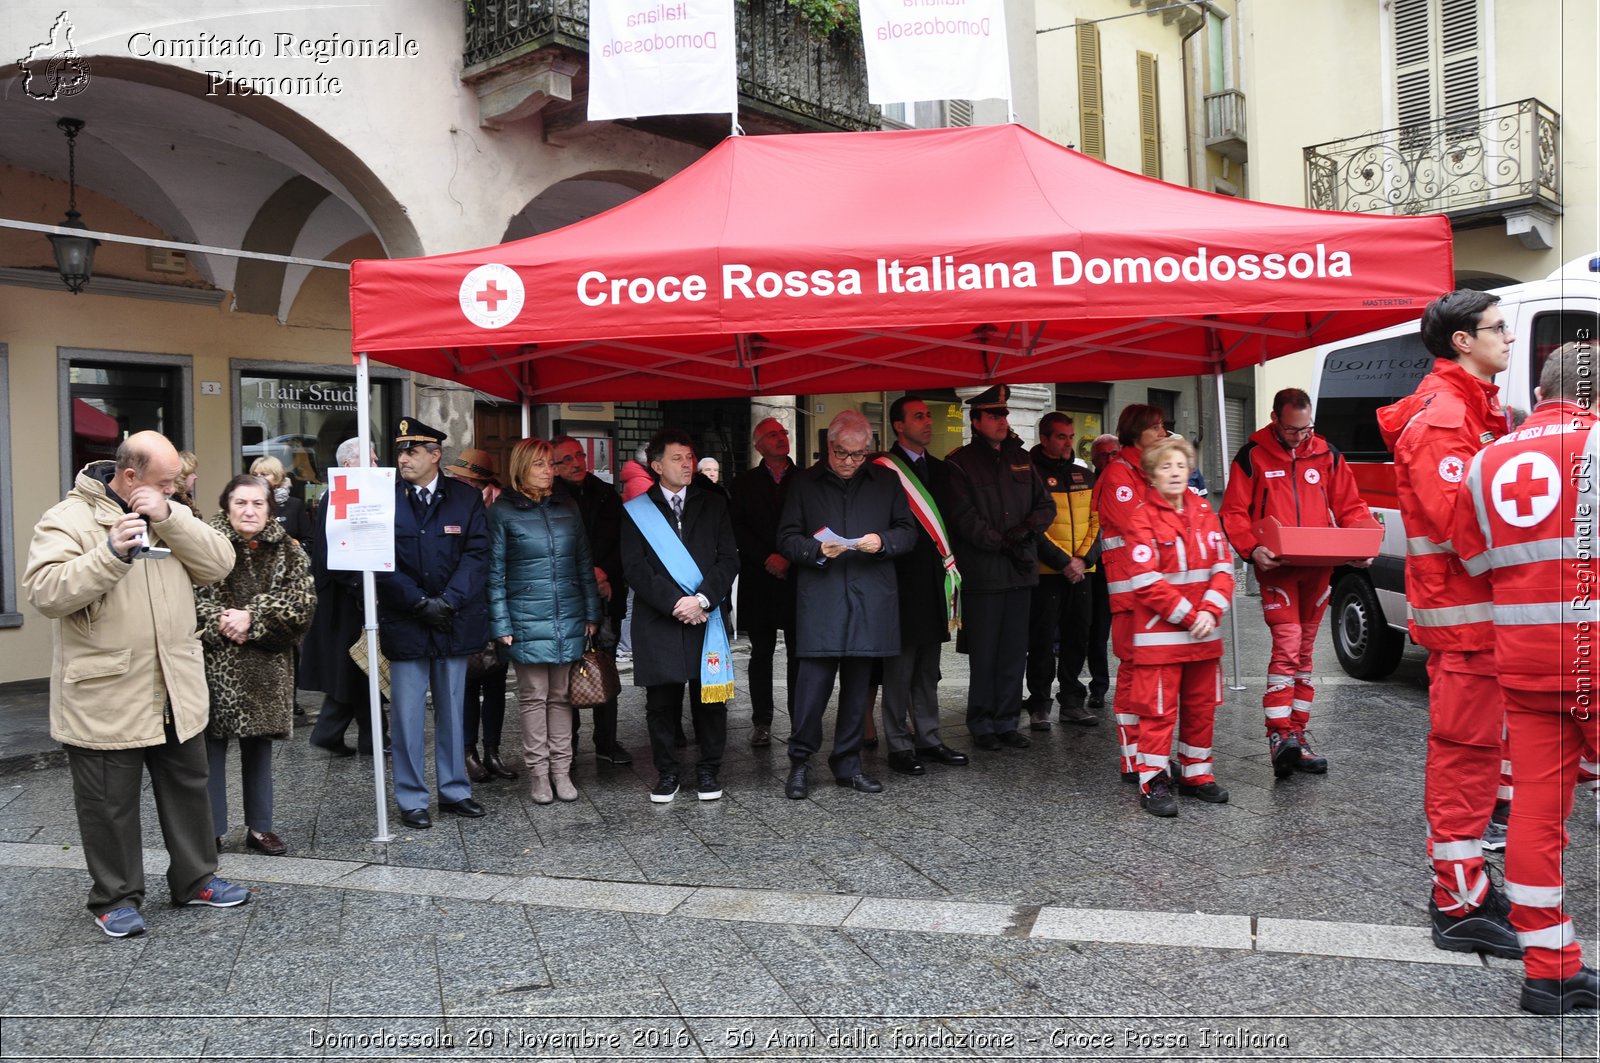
[{"x": 539, "y": 790}]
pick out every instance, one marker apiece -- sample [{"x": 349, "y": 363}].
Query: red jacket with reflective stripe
[
  {"x": 1526, "y": 517},
  {"x": 1309, "y": 487},
  {"x": 1118, "y": 492},
  {"x": 1179, "y": 565},
  {"x": 1434, "y": 432}
]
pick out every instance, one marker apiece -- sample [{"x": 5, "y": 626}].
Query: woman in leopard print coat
[{"x": 250, "y": 624}]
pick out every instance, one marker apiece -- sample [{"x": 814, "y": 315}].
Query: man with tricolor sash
[
  {"x": 930, "y": 597},
  {"x": 679, "y": 557}
]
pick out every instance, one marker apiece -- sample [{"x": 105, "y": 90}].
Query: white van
[{"x": 1357, "y": 376}]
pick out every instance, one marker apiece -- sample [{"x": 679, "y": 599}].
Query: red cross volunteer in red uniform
[
  {"x": 1289, "y": 473},
  {"x": 1434, "y": 432},
  {"x": 1526, "y": 517},
  {"x": 1119, "y": 490},
  {"x": 1181, "y": 574}
]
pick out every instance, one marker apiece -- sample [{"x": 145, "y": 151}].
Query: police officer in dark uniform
[
  {"x": 999, "y": 507},
  {"x": 432, "y": 615}
]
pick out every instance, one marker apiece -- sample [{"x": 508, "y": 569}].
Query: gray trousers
[
  {"x": 105, "y": 792},
  {"x": 255, "y": 772},
  {"x": 911, "y": 692}
]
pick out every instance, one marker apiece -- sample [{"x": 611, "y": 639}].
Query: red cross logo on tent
[
  {"x": 491, "y": 295},
  {"x": 1526, "y": 489},
  {"x": 342, "y": 497}
]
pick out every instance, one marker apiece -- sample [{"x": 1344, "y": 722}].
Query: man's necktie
[
  {"x": 920, "y": 467},
  {"x": 677, "y": 513},
  {"x": 419, "y": 503}
]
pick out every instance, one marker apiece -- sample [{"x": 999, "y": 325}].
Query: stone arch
[{"x": 575, "y": 198}]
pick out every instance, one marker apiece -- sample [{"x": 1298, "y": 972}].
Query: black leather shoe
[
  {"x": 1157, "y": 799},
  {"x": 466, "y": 807},
  {"x": 943, "y": 754},
  {"x": 987, "y": 743},
  {"x": 1096, "y": 701},
  {"x": 861, "y": 782},
  {"x": 1487, "y": 928},
  {"x": 415, "y": 818},
  {"x": 1557, "y": 996},
  {"x": 1209, "y": 792},
  {"x": 336, "y": 747},
  {"x": 1013, "y": 739},
  {"x": 906, "y": 763},
  {"x": 798, "y": 788}
]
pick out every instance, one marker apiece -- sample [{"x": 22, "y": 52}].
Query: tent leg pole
[
  {"x": 369, "y": 607},
  {"x": 527, "y": 417},
  {"x": 1222, "y": 447}
]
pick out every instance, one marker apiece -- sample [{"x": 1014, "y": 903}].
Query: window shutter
[
  {"x": 1438, "y": 59},
  {"x": 958, "y": 112},
  {"x": 1091, "y": 106},
  {"x": 1149, "y": 117},
  {"x": 1413, "y": 61},
  {"x": 1460, "y": 57}
]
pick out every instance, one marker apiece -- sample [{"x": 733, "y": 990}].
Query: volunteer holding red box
[{"x": 1289, "y": 473}]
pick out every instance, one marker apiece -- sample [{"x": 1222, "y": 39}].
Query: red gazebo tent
[{"x": 887, "y": 261}]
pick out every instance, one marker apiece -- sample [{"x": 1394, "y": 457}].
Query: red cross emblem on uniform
[
  {"x": 1528, "y": 486},
  {"x": 342, "y": 497}
]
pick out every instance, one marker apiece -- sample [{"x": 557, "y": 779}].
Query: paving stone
[
  {"x": 768, "y": 906},
  {"x": 389, "y": 879},
  {"x": 1144, "y": 928},
  {"x": 588, "y": 894},
  {"x": 949, "y": 917},
  {"x": 1411, "y": 944}
]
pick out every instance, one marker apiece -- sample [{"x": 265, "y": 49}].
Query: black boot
[
  {"x": 475, "y": 769},
  {"x": 1557, "y": 996},
  {"x": 494, "y": 765}
]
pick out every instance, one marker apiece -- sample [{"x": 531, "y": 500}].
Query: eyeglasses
[
  {"x": 848, "y": 455},
  {"x": 568, "y": 460},
  {"x": 1291, "y": 430},
  {"x": 1503, "y": 328}
]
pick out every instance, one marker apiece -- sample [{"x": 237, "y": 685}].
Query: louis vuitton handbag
[{"x": 593, "y": 679}]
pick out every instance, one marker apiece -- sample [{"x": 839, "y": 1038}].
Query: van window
[
  {"x": 1553, "y": 328},
  {"x": 1357, "y": 381}
]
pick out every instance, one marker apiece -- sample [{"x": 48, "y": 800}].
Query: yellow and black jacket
[{"x": 1075, "y": 528}]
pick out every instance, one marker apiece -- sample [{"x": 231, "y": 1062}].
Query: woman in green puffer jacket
[{"x": 543, "y": 606}]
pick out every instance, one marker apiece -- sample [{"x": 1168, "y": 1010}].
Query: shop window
[
  {"x": 301, "y": 420},
  {"x": 110, "y": 396}
]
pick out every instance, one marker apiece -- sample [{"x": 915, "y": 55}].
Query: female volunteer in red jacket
[{"x": 1181, "y": 569}]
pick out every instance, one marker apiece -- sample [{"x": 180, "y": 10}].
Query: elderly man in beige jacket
[{"x": 114, "y": 565}]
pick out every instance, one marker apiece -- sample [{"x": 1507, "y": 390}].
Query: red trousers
[
  {"x": 1121, "y": 699},
  {"x": 1184, "y": 694},
  {"x": 1293, "y": 599},
  {"x": 1551, "y": 743},
  {"x": 1466, "y": 710}
]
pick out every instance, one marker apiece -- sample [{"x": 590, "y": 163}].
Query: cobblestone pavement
[{"x": 1021, "y": 907}]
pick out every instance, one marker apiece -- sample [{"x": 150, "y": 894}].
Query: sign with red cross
[{"x": 360, "y": 520}]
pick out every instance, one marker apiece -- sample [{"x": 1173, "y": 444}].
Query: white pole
[
  {"x": 1227, "y": 464},
  {"x": 369, "y": 606}
]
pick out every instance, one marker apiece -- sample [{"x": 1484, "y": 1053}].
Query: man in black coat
[
  {"x": 668, "y": 633},
  {"x": 325, "y": 662},
  {"x": 601, "y": 508},
  {"x": 766, "y": 589},
  {"x": 1000, "y": 507},
  {"x": 911, "y": 680},
  {"x": 846, "y": 594},
  {"x": 433, "y": 613}
]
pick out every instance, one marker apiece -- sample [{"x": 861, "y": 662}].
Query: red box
[{"x": 1318, "y": 546}]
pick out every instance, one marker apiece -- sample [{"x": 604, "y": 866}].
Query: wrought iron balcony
[
  {"x": 790, "y": 80},
  {"x": 1225, "y": 125},
  {"x": 1500, "y": 162}
]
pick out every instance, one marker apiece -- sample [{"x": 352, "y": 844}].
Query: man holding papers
[{"x": 843, "y": 519}]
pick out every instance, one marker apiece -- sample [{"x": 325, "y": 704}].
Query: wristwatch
[{"x": 705, "y": 603}]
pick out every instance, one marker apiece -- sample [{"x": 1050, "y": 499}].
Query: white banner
[
  {"x": 650, "y": 57},
  {"x": 360, "y": 525},
  {"x": 935, "y": 50}
]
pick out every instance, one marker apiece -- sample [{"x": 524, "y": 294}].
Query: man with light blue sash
[{"x": 680, "y": 560}]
